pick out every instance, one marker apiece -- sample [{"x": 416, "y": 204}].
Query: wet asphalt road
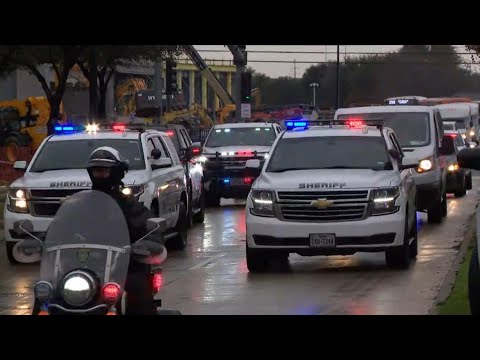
[{"x": 211, "y": 276}]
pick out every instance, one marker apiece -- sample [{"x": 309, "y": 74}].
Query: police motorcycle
[{"x": 85, "y": 256}]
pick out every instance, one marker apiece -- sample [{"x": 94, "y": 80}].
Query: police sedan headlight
[
  {"x": 384, "y": 201},
  {"x": 17, "y": 199},
  {"x": 78, "y": 288},
  {"x": 262, "y": 203},
  {"x": 134, "y": 190}
]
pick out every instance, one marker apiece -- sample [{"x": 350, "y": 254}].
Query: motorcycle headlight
[
  {"x": 134, "y": 190},
  {"x": 472, "y": 133},
  {"x": 262, "y": 203},
  {"x": 384, "y": 201},
  {"x": 78, "y": 288},
  {"x": 17, "y": 201}
]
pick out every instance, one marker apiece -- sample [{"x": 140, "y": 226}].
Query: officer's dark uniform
[{"x": 138, "y": 285}]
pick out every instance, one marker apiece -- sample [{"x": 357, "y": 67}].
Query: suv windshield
[
  {"x": 330, "y": 152},
  {"x": 74, "y": 154},
  {"x": 249, "y": 136},
  {"x": 411, "y": 128}
]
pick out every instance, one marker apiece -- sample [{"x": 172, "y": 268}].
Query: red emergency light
[
  {"x": 119, "y": 127},
  {"x": 169, "y": 133},
  {"x": 247, "y": 180},
  {"x": 355, "y": 122},
  {"x": 245, "y": 153}
]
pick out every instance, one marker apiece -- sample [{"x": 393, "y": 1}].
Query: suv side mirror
[
  {"x": 395, "y": 154},
  {"x": 448, "y": 146},
  {"x": 20, "y": 165},
  {"x": 156, "y": 154},
  {"x": 408, "y": 163}
]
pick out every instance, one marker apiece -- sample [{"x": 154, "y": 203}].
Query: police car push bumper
[{"x": 374, "y": 233}]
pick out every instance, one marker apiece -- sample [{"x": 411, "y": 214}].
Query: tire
[
  {"x": 468, "y": 182},
  {"x": 257, "y": 261},
  {"x": 413, "y": 247},
  {"x": 190, "y": 209},
  {"x": 474, "y": 283},
  {"x": 399, "y": 256},
  {"x": 9, "y": 249},
  {"x": 36, "y": 308},
  {"x": 179, "y": 242},
  {"x": 200, "y": 216},
  {"x": 12, "y": 146},
  {"x": 212, "y": 199},
  {"x": 463, "y": 189},
  {"x": 444, "y": 205},
  {"x": 435, "y": 212},
  {"x": 168, "y": 312}
]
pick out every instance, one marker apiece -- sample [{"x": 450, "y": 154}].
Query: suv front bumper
[{"x": 375, "y": 233}]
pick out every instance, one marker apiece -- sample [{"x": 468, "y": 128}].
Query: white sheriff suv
[
  {"x": 333, "y": 189},
  {"x": 57, "y": 170}
]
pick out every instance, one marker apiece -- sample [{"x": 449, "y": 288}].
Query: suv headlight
[
  {"x": 262, "y": 203},
  {"x": 17, "y": 201},
  {"x": 134, "y": 190},
  {"x": 384, "y": 201}
]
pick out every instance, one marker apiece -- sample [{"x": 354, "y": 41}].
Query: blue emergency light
[
  {"x": 296, "y": 124},
  {"x": 226, "y": 181},
  {"x": 68, "y": 129}
]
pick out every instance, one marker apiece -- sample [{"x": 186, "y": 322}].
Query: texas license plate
[{"x": 322, "y": 240}]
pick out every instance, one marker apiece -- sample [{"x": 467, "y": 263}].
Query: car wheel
[{"x": 399, "y": 256}]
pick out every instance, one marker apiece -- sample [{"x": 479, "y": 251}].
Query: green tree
[
  {"x": 98, "y": 63},
  {"x": 27, "y": 57}
]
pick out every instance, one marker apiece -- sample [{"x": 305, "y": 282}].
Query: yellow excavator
[{"x": 23, "y": 123}]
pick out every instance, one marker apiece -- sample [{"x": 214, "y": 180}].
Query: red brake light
[
  {"x": 111, "y": 293},
  {"x": 453, "y": 135},
  {"x": 169, "y": 133},
  {"x": 247, "y": 180},
  {"x": 157, "y": 282},
  {"x": 119, "y": 127}
]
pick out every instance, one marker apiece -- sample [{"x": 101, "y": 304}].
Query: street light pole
[
  {"x": 338, "y": 78},
  {"x": 314, "y": 85}
]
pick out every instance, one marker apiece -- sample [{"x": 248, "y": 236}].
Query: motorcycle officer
[{"x": 106, "y": 169}]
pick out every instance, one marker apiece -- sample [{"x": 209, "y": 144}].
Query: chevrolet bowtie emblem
[{"x": 321, "y": 203}]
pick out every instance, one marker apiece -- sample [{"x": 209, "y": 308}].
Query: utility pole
[
  {"x": 158, "y": 86},
  {"x": 338, "y": 78},
  {"x": 314, "y": 85}
]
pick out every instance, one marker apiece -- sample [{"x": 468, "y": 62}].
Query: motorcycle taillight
[
  {"x": 111, "y": 293},
  {"x": 157, "y": 282}
]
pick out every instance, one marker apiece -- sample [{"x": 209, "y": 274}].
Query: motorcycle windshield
[{"x": 90, "y": 233}]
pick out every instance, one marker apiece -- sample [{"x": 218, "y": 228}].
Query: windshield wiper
[
  {"x": 54, "y": 169},
  {"x": 290, "y": 169}
]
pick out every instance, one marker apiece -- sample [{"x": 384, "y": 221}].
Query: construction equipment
[{"x": 23, "y": 123}]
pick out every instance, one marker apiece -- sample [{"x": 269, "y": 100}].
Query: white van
[
  {"x": 461, "y": 114},
  {"x": 419, "y": 130}
]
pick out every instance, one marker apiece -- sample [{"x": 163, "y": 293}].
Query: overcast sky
[{"x": 288, "y": 69}]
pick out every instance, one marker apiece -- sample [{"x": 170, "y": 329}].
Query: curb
[{"x": 449, "y": 281}]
